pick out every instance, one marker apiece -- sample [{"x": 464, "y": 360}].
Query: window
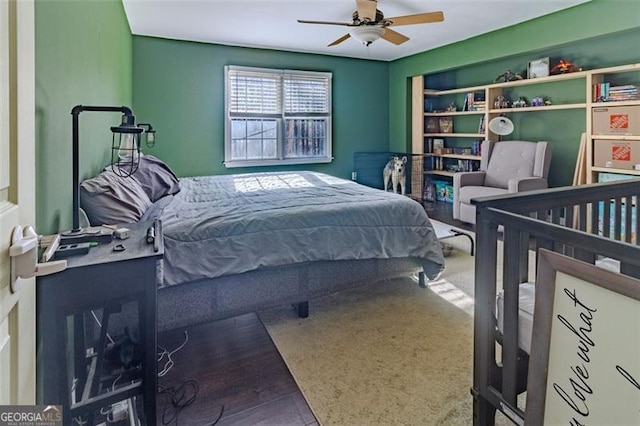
[{"x": 276, "y": 117}]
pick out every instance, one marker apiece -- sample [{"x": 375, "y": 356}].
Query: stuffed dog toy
[{"x": 395, "y": 171}]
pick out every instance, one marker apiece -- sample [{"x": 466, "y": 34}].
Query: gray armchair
[{"x": 505, "y": 167}]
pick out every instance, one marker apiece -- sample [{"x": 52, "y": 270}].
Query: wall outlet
[{"x": 354, "y": 175}]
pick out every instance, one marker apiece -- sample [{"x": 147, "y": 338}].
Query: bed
[
  {"x": 239, "y": 243},
  {"x": 596, "y": 223}
]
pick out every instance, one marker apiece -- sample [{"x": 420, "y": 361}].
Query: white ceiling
[{"x": 273, "y": 24}]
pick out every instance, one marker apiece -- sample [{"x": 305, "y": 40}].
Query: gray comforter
[{"x": 220, "y": 225}]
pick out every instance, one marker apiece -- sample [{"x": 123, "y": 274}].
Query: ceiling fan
[{"x": 369, "y": 24}]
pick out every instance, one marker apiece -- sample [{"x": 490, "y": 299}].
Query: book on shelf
[
  {"x": 429, "y": 190},
  {"x": 468, "y": 101},
  {"x": 604, "y": 92},
  {"x": 429, "y": 164},
  {"x": 479, "y": 106},
  {"x": 428, "y": 146},
  {"x": 474, "y": 102}
]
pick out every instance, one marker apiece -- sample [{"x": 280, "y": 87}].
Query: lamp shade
[
  {"x": 367, "y": 34},
  {"x": 501, "y": 126},
  {"x": 125, "y": 148}
]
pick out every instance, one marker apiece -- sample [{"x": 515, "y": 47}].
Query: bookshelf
[
  {"x": 580, "y": 91},
  {"x": 613, "y": 146}
]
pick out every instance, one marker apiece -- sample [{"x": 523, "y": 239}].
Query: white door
[{"x": 17, "y": 202}]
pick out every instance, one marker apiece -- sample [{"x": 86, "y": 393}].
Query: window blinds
[
  {"x": 278, "y": 92},
  {"x": 257, "y": 93},
  {"x": 306, "y": 94}
]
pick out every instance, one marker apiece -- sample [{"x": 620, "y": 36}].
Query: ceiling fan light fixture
[{"x": 367, "y": 34}]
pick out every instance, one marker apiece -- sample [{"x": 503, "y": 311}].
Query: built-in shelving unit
[
  {"x": 430, "y": 104},
  {"x": 598, "y": 141}
]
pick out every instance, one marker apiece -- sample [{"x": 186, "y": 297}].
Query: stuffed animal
[{"x": 395, "y": 171}]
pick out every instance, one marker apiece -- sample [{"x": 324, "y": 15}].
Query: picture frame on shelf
[
  {"x": 432, "y": 125},
  {"x": 538, "y": 68},
  {"x": 446, "y": 124}
]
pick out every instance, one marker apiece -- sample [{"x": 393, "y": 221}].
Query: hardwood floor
[{"x": 238, "y": 370}]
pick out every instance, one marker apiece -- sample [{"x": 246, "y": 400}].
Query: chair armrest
[
  {"x": 527, "y": 184},
  {"x": 468, "y": 179}
]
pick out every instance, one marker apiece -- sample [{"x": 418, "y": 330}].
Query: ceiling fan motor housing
[{"x": 358, "y": 21}]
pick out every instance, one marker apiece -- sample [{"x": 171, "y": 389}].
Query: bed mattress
[{"x": 222, "y": 225}]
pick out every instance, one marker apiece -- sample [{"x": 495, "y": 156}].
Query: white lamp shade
[
  {"x": 501, "y": 126},
  {"x": 367, "y": 34}
]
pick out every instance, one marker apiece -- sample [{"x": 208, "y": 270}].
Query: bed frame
[
  {"x": 226, "y": 296},
  {"x": 566, "y": 220}
]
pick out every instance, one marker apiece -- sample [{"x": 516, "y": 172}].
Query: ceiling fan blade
[
  {"x": 346, "y": 24},
  {"x": 340, "y": 40},
  {"x": 419, "y": 18},
  {"x": 366, "y": 9},
  {"x": 394, "y": 37}
]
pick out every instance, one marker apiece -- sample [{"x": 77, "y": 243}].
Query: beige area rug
[{"x": 386, "y": 354}]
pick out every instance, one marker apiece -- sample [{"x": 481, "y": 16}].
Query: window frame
[{"x": 281, "y": 118}]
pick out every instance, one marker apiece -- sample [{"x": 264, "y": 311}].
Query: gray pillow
[
  {"x": 156, "y": 178},
  {"x": 110, "y": 199}
]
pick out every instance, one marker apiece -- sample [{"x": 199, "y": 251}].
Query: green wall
[
  {"x": 179, "y": 87},
  {"x": 83, "y": 56},
  {"x": 596, "y": 34}
]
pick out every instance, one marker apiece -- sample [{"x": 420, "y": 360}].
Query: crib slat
[
  {"x": 556, "y": 215},
  {"x": 582, "y": 218},
  {"x": 595, "y": 216},
  {"x": 606, "y": 218},
  {"x": 569, "y": 218},
  {"x": 635, "y": 213},
  {"x": 617, "y": 218},
  {"x": 626, "y": 218},
  {"x": 511, "y": 280}
]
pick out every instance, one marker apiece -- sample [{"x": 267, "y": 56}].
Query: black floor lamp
[{"x": 125, "y": 152}]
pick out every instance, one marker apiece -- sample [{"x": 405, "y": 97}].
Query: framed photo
[
  {"x": 446, "y": 124},
  {"x": 584, "y": 364},
  {"x": 432, "y": 125},
  {"x": 538, "y": 68}
]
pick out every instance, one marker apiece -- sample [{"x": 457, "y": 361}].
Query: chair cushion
[
  {"x": 510, "y": 159},
  {"x": 468, "y": 192}
]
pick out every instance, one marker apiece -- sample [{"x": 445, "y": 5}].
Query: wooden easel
[{"x": 580, "y": 172}]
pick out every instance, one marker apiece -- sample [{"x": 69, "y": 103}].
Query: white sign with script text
[
  {"x": 594, "y": 356},
  {"x": 584, "y": 366}
]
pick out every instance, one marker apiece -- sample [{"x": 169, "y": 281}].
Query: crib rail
[{"x": 588, "y": 222}]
